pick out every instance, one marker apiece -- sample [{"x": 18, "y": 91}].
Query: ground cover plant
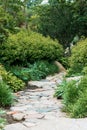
[
  {"x": 60, "y": 89},
  {"x": 36, "y": 71}
]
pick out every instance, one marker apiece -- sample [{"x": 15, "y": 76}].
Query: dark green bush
[
  {"x": 27, "y": 46},
  {"x": 14, "y": 83},
  {"x": 36, "y": 71},
  {"x": 6, "y": 97},
  {"x": 78, "y": 59}
]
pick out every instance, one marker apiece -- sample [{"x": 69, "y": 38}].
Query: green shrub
[
  {"x": 80, "y": 107},
  {"x": 60, "y": 89},
  {"x": 83, "y": 84},
  {"x": 70, "y": 95},
  {"x": 6, "y": 25},
  {"x": 20, "y": 72},
  {"x": 65, "y": 62},
  {"x": 84, "y": 71},
  {"x": 71, "y": 73},
  {"x": 27, "y": 46},
  {"x": 6, "y": 97},
  {"x": 74, "y": 95},
  {"x": 36, "y": 71},
  {"x": 41, "y": 69},
  {"x": 14, "y": 83},
  {"x": 78, "y": 59}
]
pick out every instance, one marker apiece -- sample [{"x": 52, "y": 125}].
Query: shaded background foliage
[{"x": 60, "y": 19}]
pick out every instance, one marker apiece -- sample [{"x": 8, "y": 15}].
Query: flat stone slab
[
  {"x": 76, "y": 78},
  {"x": 62, "y": 124},
  {"x": 18, "y": 116},
  {"x": 35, "y": 116},
  {"x": 40, "y": 84},
  {"x": 16, "y": 126},
  {"x": 29, "y": 124},
  {"x": 45, "y": 110}
]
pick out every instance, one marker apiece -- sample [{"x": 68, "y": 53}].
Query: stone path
[{"x": 36, "y": 109}]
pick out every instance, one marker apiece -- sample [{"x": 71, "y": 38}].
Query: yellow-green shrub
[
  {"x": 27, "y": 46},
  {"x": 84, "y": 71},
  {"x": 14, "y": 83},
  {"x": 78, "y": 59}
]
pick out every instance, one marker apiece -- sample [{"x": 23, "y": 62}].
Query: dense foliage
[
  {"x": 61, "y": 19},
  {"x": 78, "y": 59},
  {"x": 14, "y": 83},
  {"x": 84, "y": 71},
  {"x": 36, "y": 71},
  {"x": 15, "y": 9},
  {"x": 60, "y": 89},
  {"x": 27, "y": 46},
  {"x": 74, "y": 95},
  {"x": 6, "y": 24},
  {"x": 6, "y": 97},
  {"x": 55, "y": 21}
]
